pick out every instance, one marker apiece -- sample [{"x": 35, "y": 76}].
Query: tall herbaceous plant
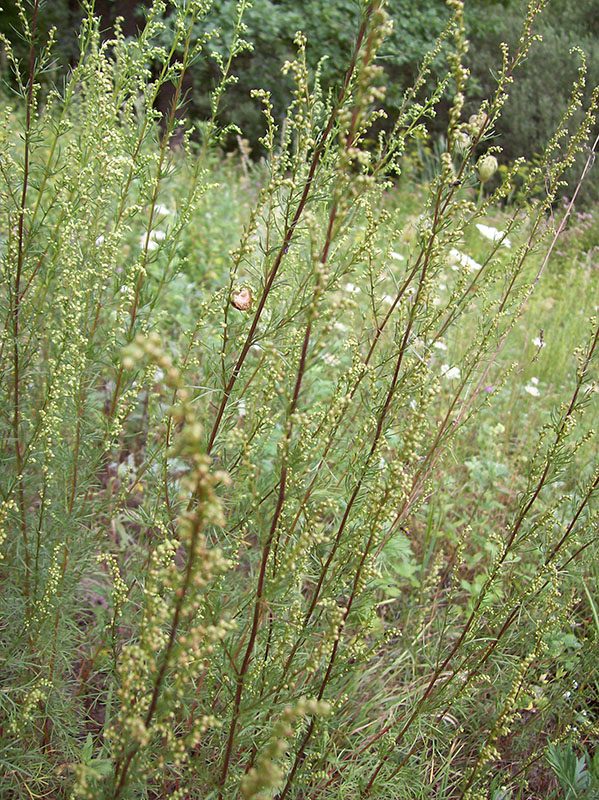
[{"x": 209, "y": 463}]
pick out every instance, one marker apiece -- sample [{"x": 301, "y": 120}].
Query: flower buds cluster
[
  {"x": 487, "y": 167},
  {"x": 151, "y": 347},
  {"x": 267, "y": 775},
  {"x": 476, "y": 123}
]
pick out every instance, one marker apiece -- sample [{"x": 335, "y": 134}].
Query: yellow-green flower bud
[
  {"x": 477, "y": 122},
  {"x": 487, "y": 167},
  {"x": 461, "y": 141}
]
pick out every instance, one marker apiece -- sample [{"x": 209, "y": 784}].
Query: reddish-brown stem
[
  {"x": 258, "y": 605},
  {"x": 506, "y": 550},
  {"x": 335, "y": 648},
  {"x": 16, "y": 307},
  {"x": 325, "y": 569},
  {"x": 122, "y": 766},
  {"x": 425, "y": 256},
  {"x": 318, "y": 150}
]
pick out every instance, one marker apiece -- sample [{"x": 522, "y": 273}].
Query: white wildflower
[
  {"x": 351, "y": 288},
  {"x": 397, "y": 256},
  {"x": 440, "y": 345},
  {"x": 532, "y": 389},
  {"x": 153, "y": 239},
  {"x": 454, "y": 257},
  {"x": 463, "y": 259},
  {"x": 450, "y": 372},
  {"x": 493, "y": 234},
  {"x": 100, "y": 240},
  {"x": 538, "y": 342},
  {"x": 160, "y": 209}
]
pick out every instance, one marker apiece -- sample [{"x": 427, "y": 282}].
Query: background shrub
[{"x": 535, "y": 104}]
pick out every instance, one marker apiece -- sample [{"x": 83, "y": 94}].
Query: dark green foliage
[
  {"x": 578, "y": 775},
  {"x": 64, "y": 15},
  {"x": 540, "y": 94},
  {"x": 330, "y": 28},
  {"x": 536, "y": 101}
]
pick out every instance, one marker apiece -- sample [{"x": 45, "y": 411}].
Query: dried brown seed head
[{"x": 242, "y": 299}]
